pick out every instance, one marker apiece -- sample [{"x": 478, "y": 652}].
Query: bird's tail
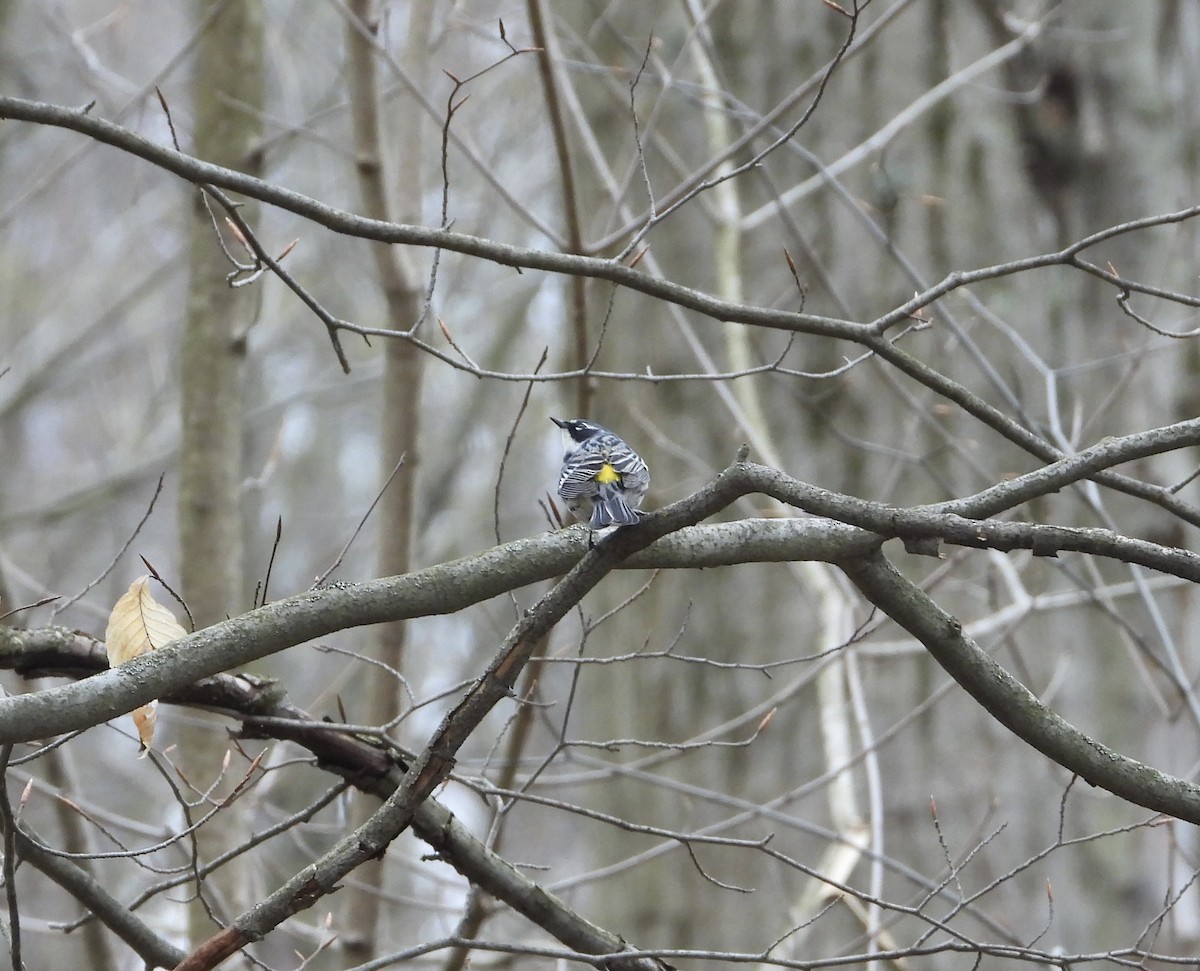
[{"x": 612, "y": 510}]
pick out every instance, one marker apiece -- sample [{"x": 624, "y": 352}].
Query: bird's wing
[
  {"x": 635, "y": 476},
  {"x": 579, "y": 474}
]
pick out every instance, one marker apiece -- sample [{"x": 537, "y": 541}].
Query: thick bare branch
[
  {"x": 268, "y": 714},
  {"x": 434, "y": 763},
  {"x": 1011, "y": 703},
  {"x": 449, "y": 587},
  {"x": 201, "y": 173},
  {"x": 90, "y": 892}
]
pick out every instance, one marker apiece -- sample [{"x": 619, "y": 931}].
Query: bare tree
[{"x": 227, "y": 110}]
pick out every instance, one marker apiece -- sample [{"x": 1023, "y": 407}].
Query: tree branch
[
  {"x": 449, "y": 587},
  {"x": 202, "y": 173},
  {"x": 267, "y": 713},
  {"x": 371, "y": 768},
  {"x": 1011, "y": 703},
  {"x": 89, "y": 891},
  {"x": 434, "y": 763},
  {"x": 867, "y": 335}
]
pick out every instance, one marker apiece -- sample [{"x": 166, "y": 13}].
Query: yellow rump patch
[{"x": 607, "y": 474}]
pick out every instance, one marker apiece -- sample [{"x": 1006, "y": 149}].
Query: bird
[{"x": 603, "y": 481}]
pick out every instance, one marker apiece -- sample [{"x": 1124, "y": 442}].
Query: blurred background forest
[{"x": 948, "y": 137}]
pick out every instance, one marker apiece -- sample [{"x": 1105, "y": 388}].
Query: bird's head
[{"x": 580, "y": 429}]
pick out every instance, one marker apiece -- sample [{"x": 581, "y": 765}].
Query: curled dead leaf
[
  {"x": 144, "y": 719},
  {"x": 139, "y": 623}
]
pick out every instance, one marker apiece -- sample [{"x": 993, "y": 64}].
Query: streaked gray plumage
[{"x": 603, "y": 480}]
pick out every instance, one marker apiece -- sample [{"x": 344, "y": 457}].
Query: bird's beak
[{"x": 560, "y": 424}]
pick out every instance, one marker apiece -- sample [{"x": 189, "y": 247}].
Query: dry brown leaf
[
  {"x": 144, "y": 718},
  {"x": 139, "y": 623}
]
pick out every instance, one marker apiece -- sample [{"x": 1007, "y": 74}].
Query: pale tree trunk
[
  {"x": 228, "y": 96},
  {"x": 400, "y": 417},
  {"x": 547, "y": 54},
  {"x": 814, "y": 581}
]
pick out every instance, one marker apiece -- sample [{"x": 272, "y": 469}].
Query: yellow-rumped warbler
[{"x": 603, "y": 480}]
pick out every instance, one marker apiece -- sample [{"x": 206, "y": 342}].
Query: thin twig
[
  {"x": 320, "y": 581},
  {"x": 10, "y": 861},
  {"x": 120, "y": 553},
  {"x": 36, "y": 603},
  {"x": 732, "y": 172},
  {"x": 171, "y": 590},
  {"x": 271, "y": 562},
  {"x": 508, "y": 444}
]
